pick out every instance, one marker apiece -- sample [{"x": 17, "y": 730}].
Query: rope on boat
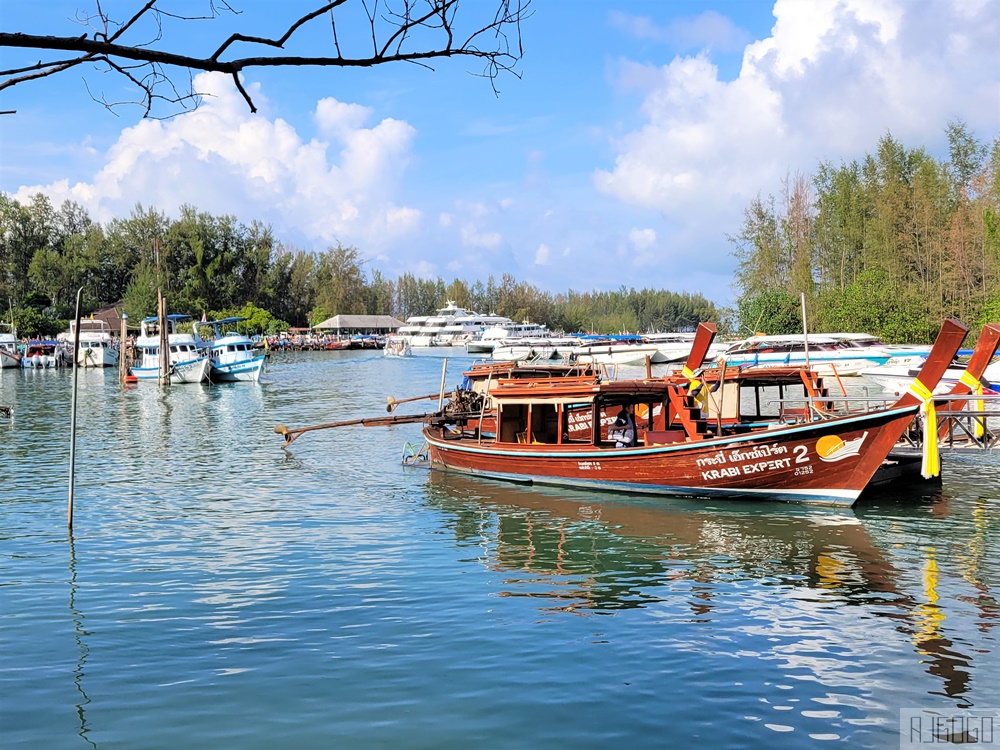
[{"x": 413, "y": 455}]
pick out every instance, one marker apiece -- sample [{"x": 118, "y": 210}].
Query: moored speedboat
[
  {"x": 41, "y": 354},
  {"x": 9, "y": 355},
  {"x": 617, "y": 350},
  {"x": 897, "y": 378},
  {"x": 187, "y": 363},
  {"x": 828, "y": 354},
  {"x": 97, "y": 347},
  {"x": 230, "y": 353}
]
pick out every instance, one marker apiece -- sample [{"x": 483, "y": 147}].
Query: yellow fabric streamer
[
  {"x": 977, "y": 387},
  {"x": 931, "y": 464},
  {"x": 702, "y": 396}
]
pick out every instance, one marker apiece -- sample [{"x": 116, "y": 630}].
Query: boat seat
[{"x": 665, "y": 437}]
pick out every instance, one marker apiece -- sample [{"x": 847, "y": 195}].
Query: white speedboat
[
  {"x": 676, "y": 346},
  {"x": 397, "y": 346},
  {"x": 617, "y": 350},
  {"x": 42, "y": 354},
  {"x": 826, "y": 353},
  {"x": 97, "y": 347},
  {"x": 230, "y": 353},
  {"x": 187, "y": 363},
  {"x": 9, "y": 355},
  {"x": 897, "y": 376}
]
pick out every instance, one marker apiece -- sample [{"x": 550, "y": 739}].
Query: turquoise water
[{"x": 220, "y": 592}]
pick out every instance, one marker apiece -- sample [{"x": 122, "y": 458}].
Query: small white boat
[
  {"x": 187, "y": 363},
  {"x": 41, "y": 354},
  {"x": 230, "y": 353},
  {"x": 397, "y": 346},
  {"x": 9, "y": 355},
  {"x": 97, "y": 348}
]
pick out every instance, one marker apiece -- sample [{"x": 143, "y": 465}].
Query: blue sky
[{"x": 625, "y": 154}]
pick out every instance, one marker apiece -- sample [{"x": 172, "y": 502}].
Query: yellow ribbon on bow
[
  {"x": 693, "y": 383},
  {"x": 931, "y": 464},
  {"x": 977, "y": 387}
]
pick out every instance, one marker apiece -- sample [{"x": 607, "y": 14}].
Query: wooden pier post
[
  {"x": 122, "y": 364},
  {"x": 161, "y": 312}
]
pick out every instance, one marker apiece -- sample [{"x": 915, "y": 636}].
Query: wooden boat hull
[{"x": 822, "y": 462}]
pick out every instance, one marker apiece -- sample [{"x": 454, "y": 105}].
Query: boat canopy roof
[
  {"x": 578, "y": 390},
  {"x": 795, "y": 338},
  {"x": 176, "y": 317},
  {"x": 221, "y": 322}
]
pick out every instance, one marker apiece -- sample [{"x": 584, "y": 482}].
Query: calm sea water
[{"x": 220, "y": 592}]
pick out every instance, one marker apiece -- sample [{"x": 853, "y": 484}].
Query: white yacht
[
  {"x": 498, "y": 334},
  {"x": 447, "y": 323},
  {"x": 97, "y": 347},
  {"x": 465, "y": 328},
  {"x": 230, "y": 352},
  {"x": 414, "y": 326},
  {"x": 187, "y": 363},
  {"x": 9, "y": 355}
]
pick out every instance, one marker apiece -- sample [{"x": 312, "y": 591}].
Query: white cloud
[
  {"x": 832, "y": 78},
  {"x": 643, "y": 239},
  {"x": 222, "y": 159},
  {"x": 542, "y": 255},
  {"x": 473, "y": 237}
]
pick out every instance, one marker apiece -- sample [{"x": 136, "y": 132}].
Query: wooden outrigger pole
[{"x": 291, "y": 434}]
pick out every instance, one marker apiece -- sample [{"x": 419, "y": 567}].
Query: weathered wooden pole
[
  {"x": 122, "y": 364},
  {"x": 161, "y": 313},
  {"x": 72, "y": 419}
]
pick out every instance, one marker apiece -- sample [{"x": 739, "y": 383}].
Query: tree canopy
[
  {"x": 888, "y": 244},
  {"x": 219, "y": 266}
]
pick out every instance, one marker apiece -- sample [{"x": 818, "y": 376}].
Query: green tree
[{"x": 774, "y": 312}]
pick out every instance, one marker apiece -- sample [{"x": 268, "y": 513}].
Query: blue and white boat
[
  {"x": 187, "y": 363},
  {"x": 230, "y": 352},
  {"x": 827, "y": 353}
]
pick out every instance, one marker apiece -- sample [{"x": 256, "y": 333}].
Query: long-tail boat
[{"x": 827, "y": 461}]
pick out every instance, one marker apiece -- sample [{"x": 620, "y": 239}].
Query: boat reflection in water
[{"x": 774, "y": 567}]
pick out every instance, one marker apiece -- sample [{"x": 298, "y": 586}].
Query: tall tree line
[
  {"x": 889, "y": 244},
  {"x": 217, "y": 265}
]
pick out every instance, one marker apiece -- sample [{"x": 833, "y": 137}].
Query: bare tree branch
[{"x": 414, "y": 31}]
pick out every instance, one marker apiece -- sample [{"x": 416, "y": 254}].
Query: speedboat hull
[
  {"x": 248, "y": 371},
  {"x": 189, "y": 371}
]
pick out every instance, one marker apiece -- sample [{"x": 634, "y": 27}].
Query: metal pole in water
[
  {"x": 444, "y": 375},
  {"x": 72, "y": 423},
  {"x": 805, "y": 331}
]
